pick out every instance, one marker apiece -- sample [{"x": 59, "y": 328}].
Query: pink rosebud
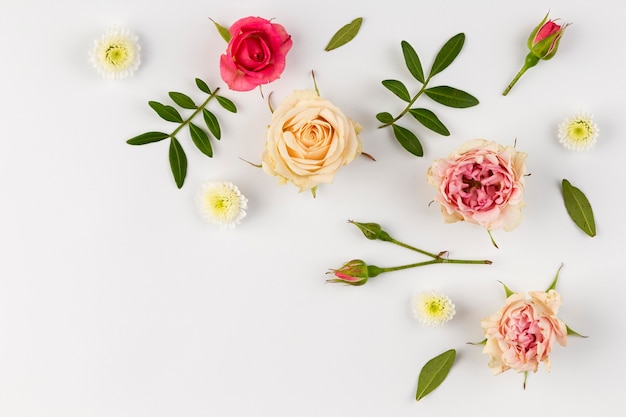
[
  {"x": 543, "y": 42},
  {"x": 354, "y": 272},
  {"x": 255, "y": 54}
]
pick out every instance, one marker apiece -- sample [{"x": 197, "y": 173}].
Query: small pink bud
[{"x": 543, "y": 42}]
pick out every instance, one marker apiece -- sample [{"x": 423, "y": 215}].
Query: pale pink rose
[
  {"x": 522, "y": 333},
  {"x": 309, "y": 140},
  {"x": 482, "y": 182},
  {"x": 255, "y": 54}
]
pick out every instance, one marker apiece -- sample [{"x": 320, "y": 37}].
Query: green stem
[
  {"x": 404, "y": 245},
  {"x": 437, "y": 260},
  {"x": 530, "y": 61},
  {"x": 199, "y": 109},
  {"x": 408, "y": 106}
]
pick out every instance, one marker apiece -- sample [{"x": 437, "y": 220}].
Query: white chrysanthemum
[
  {"x": 578, "y": 133},
  {"x": 116, "y": 54},
  {"x": 222, "y": 203},
  {"x": 433, "y": 308}
]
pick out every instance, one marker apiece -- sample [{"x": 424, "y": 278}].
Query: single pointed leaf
[
  {"x": 554, "y": 281},
  {"x": 507, "y": 290},
  {"x": 148, "y": 137},
  {"x": 227, "y": 104},
  {"x": 212, "y": 124},
  {"x": 434, "y": 373},
  {"x": 448, "y": 53},
  {"x": 430, "y": 120},
  {"x": 451, "y": 97},
  {"x": 408, "y": 140},
  {"x": 571, "y": 332},
  {"x": 166, "y": 112},
  {"x": 224, "y": 32},
  {"x": 202, "y": 86},
  {"x": 178, "y": 162},
  {"x": 398, "y": 89},
  {"x": 182, "y": 100},
  {"x": 578, "y": 208},
  {"x": 201, "y": 140},
  {"x": 412, "y": 61},
  {"x": 384, "y": 117},
  {"x": 345, "y": 34}
]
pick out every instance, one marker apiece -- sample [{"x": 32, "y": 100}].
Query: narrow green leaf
[
  {"x": 408, "y": 140},
  {"x": 178, "y": 162},
  {"x": 182, "y": 100},
  {"x": 147, "y": 137},
  {"x": 412, "y": 61},
  {"x": 507, "y": 290},
  {"x": 555, "y": 280},
  {"x": 384, "y": 117},
  {"x": 434, "y": 373},
  {"x": 451, "y": 97},
  {"x": 578, "y": 208},
  {"x": 345, "y": 34},
  {"x": 571, "y": 332},
  {"x": 202, "y": 86},
  {"x": 212, "y": 124},
  {"x": 448, "y": 53},
  {"x": 201, "y": 140},
  {"x": 398, "y": 89},
  {"x": 224, "y": 32},
  {"x": 227, "y": 104},
  {"x": 430, "y": 120},
  {"x": 166, "y": 112}
]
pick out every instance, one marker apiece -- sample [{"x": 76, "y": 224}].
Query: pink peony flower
[
  {"x": 255, "y": 54},
  {"x": 522, "y": 333},
  {"x": 482, "y": 182}
]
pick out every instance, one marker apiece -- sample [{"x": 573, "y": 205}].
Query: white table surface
[{"x": 117, "y": 299}]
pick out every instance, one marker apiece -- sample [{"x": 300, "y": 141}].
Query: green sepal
[
  {"x": 482, "y": 342},
  {"x": 148, "y": 137},
  {"x": 412, "y": 61},
  {"x": 451, "y": 97},
  {"x": 345, "y": 34},
  {"x": 430, "y": 120},
  {"x": 183, "y": 100},
  {"x": 554, "y": 281},
  {"x": 166, "y": 112},
  {"x": 571, "y": 332},
  {"x": 178, "y": 162},
  {"x": 448, "y": 53},
  {"x": 226, "y": 104},
  {"x": 212, "y": 124},
  {"x": 224, "y": 32},
  {"x": 507, "y": 290},
  {"x": 314, "y": 191},
  {"x": 408, "y": 140},
  {"x": 398, "y": 89},
  {"x": 201, "y": 140}
]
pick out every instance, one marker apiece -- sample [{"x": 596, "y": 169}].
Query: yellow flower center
[
  {"x": 435, "y": 307},
  {"x": 117, "y": 54},
  {"x": 223, "y": 205},
  {"x": 579, "y": 130}
]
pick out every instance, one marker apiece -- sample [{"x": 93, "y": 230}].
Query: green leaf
[
  {"x": 412, "y": 61},
  {"x": 345, "y": 34},
  {"x": 571, "y": 332},
  {"x": 182, "y": 100},
  {"x": 200, "y": 138},
  {"x": 147, "y": 137},
  {"x": 555, "y": 280},
  {"x": 202, "y": 86},
  {"x": 451, "y": 97},
  {"x": 408, "y": 140},
  {"x": 384, "y": 117},
  {"x": 430, "y": 120},
  {"x": 178, "y": 162},
  {"x": 224, "y": 32},
  {"x": 447, "y": 54},
  {"x": 212, "y": 124},
  {"x": 578, "y": 208},
  {"x": 434, "y": 373},
  {"x": 507, "y": 290},
  {"x": 227, "y": 104},
  {"x": 166, "y": 112},
  {"x": 398, "y": 89}
]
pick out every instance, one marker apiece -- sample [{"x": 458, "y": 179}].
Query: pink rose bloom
[
  {"x": 255, "y": 54},
  {"x": 482, "y": 182},
  {"x": 522, "y": 333}
]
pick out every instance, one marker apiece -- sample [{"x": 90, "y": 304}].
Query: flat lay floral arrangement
[{"x": 309, "y": 139}]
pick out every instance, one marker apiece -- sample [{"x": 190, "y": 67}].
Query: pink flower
[
  {"x": 354, "y": 272},
  {"x": 482, "y": 182},
  {"x": 255, "y": 54},
  {"x": 522, "y": 333},
  {"x": 544, "y": 40}
]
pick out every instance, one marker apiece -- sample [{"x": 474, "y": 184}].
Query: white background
[{"x": 117, "y": 299}]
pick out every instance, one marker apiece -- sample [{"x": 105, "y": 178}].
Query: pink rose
[
  {"x": 255, "y": 54},
  {"x": 544, "y": 40},
  {"x": 482, "y": 182},
  {"x": 522, "y": 333}
]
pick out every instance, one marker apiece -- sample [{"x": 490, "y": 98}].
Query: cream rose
[
  {"x": 308, "y": 140},
  {"x": 522, "y": 333}
]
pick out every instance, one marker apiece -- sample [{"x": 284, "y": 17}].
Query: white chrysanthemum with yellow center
[
  {"x": 222, "y": 203},
  {"x": 578, "y": 133},
  {"x": 433, "y": 308},
  {"x": 116, "y": 54}
]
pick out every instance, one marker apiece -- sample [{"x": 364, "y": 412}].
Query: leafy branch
[
  {"x": 448, "y": 96},
  {"x": 177, "y": 156}
]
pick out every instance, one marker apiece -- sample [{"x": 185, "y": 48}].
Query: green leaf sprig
[
  {"x": 345, "y": 34},
  {"x": 448, "y": 96},
  {"x": 579, "y": 208},
  {"x": 200, "y": 137},
  {"x": 434, "y": 372}
]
